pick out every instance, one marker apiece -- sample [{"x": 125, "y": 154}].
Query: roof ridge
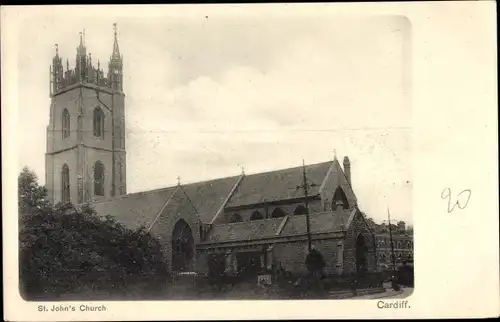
[
  {"x": 289, "y": 168},
  {"x": 146, "y": 192},
  {"x": 325, "y": 179},
  {"x": 230, "y": 194},
  {"x": 162, "y": 208},
  {"x": 247, "y": 222}
]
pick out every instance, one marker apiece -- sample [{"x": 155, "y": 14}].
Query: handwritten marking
[{"x": 447, "y": 194}]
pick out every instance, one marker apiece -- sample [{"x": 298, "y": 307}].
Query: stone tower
[{"x": 85, "y": 159}]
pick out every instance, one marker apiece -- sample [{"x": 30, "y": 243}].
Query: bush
[
  {"x": 63, "y": 251},
  {"x": 315, "y": 262}
]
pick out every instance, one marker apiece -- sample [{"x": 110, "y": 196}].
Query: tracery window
[
  {"x": 277, "y": 213},
  {"x": 98, "y": 123},
  {"x": 99, "y": 178},
  {"x": 66, "y": 126},
  {"x": 256, "y": 215},
  {"x": 65, "y": 186}
]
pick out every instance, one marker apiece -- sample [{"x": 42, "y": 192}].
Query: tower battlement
[{"x": 84, "y": 71}]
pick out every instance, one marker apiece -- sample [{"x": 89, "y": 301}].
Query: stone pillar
[
  {"x": 228, "y": 261},
  {"x": 269, "y": 256},
  {"x": 339, "y": 256}
]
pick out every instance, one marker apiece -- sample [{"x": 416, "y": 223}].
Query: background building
[{"x": 402, "y": 237}]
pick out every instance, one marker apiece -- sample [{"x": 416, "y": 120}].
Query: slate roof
[
  {"x": 339, "y": 179},
  {"x": 278, "y": 185},
  {"x": 244, "y": 231},
  {"x": 207, "y": 197},
  {"x": 136, "y": 209},
  {"x": 325, "y": 222}
]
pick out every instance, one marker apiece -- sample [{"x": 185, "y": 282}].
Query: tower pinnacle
[{"x": 116, "y": 49}]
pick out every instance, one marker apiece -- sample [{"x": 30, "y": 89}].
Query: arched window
[
  {"x": 99, "y": 179},
  {"x": 66, "y": 127},
  {"x": 256, "y": 215},
  {"x": 65, "y": 196},
  {"x": 235, "y": 218},
  {"x": 398, "y": 245},
  {"x": 98, "y": 123},
  {"x": 300, "y": 210},
  {"x": 277, "y": 213},
  {"x": 340, "y": 197}
]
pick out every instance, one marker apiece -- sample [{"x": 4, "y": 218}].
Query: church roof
[
  {"x": 243, "y": 231},
  {"x": 136, "y": 209},
  {"x": 278, "y": 185},
  {"x": 325, "y": 222},
  {"x": 207, "y": 198}
]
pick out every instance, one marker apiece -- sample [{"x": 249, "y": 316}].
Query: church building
[{"x": 251, "y": 222}]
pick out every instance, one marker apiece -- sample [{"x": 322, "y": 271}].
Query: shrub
[
  {"x": 314, "y": 261},
  {"x": 63, "y": 250}
]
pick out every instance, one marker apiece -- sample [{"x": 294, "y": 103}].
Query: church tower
[{"x": 85, "y": 159}]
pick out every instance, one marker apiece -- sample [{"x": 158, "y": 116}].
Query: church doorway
[
  {"x": 361, "y": 250},
  {"x": 182, "y": 247}
]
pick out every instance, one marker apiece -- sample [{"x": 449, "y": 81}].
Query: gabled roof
[
  {"x": 325, "y": 222},
  {"x": 136, "y": 209},
  {"x": 338, "y": 178},
  {"x": 207, "y": 197},
  {"x": 278, "y": 185},
  {"x": 244, "y": 231}
]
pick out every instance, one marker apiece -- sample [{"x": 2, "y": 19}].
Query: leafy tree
[
  {"x": 31, "y": 196},
  {"x": 70, "y": 249}
]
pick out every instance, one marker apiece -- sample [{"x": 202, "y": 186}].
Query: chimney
[{"x": 347, "y": 169}]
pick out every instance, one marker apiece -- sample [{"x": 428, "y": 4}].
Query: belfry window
[
  {"x": 65, "y": 196},
  {"x": 99, "y": 179},
  {"x": 98, "y": 123},
  {"x": 66, "y": 129}
]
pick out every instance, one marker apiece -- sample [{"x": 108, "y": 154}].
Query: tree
[
  {"x": 31, "y": 196},
  {"x": 69, "y": 249}
]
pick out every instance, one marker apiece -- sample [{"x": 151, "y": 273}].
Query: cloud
[{"x": 206, "y": 97}]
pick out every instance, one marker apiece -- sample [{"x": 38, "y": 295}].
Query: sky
[{"x": 209, "y": 94}]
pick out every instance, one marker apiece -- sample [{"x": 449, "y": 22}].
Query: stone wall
[
  {"x": 178, "y": 208},
  {"x": 358, "y": 226}
]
